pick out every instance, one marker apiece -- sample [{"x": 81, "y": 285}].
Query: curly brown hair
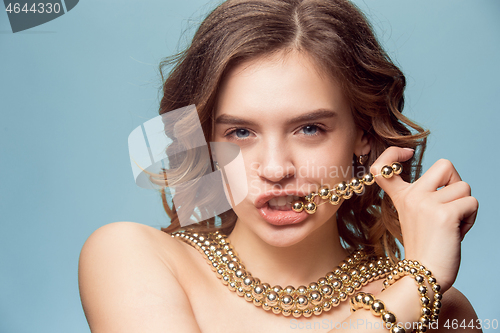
[{"x": 341, "y": 41}]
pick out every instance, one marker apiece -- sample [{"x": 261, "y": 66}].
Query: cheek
[
  {"x": 235, "y": 176},
  {"x": 252, "y": 179},
  {"x": 233, "y": 171}
]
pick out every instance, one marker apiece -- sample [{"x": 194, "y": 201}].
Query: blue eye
[
  {"x": 238, "y": 134},
  {"x": 242, "y": 133},
  {"x": 310, "y": 129}
]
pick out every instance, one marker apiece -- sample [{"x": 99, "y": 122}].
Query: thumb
[{"x": 394, "y": 184}]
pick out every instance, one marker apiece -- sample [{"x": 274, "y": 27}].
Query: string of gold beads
[
  {"x": 328, "y": 292},
  {"x": 430, "y": 310},
  {"x": 343, "y": 190},
  {"x": 367, "y": 301}
]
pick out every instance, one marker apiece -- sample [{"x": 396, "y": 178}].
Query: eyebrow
[{"x": 310, "y": 116}]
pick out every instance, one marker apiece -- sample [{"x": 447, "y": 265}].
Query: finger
[
  {"x": 466, "y": 211},
  {"x": 441, "y": 173},
  {"x": 469, "y": 220},
  {"x": 392, "y": 154},
  {"x": 467, "y": 225},
  {"x": 453, "y": 192}
]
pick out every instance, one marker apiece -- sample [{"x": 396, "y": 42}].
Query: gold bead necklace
[{"x": 336, "y": 286}]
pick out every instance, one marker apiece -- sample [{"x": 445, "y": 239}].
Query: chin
[
  {"x": 284, "y": 236},
  {"x": 291, "y": 234}
]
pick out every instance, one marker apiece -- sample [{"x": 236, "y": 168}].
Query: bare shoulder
[
  {"x": 456, "y": 308},
  {"x": 128, "y": 284}
]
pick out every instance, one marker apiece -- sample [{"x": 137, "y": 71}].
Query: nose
[{"x": 276, "y": 162}]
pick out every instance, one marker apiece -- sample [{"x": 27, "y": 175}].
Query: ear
[{"x": 362, "y": 145}]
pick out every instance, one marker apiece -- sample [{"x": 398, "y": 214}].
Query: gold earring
[{"x": 362, "y": 159}]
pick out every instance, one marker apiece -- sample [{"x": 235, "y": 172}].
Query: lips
[{"x": 280, "y": 216}]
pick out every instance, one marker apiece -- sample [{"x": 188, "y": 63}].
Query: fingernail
[{"x": 410, "y": 149}]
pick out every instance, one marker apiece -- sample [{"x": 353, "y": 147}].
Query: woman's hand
[{"x": 433, "y": 222}]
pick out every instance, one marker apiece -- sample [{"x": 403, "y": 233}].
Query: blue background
[{"x": 73, "y": 89}]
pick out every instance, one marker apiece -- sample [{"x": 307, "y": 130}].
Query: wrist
[
  {"x": 428, "y": 290},
  {"x": 403, "y": 299}
]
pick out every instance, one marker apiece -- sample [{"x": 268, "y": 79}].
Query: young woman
[{"x": 300, "y": 86}]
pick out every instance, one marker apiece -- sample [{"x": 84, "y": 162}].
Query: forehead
[{"x": 280, "y": 85}]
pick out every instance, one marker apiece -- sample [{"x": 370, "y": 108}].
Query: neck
[{"x": 298, "y": 264}]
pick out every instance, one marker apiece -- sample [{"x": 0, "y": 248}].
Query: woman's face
[{"x": 296, "y": 133}]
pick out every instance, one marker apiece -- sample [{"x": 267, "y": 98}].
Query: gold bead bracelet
[
  {"x": 367, "y": 301},
  {"x": 420, "y": 273}
]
